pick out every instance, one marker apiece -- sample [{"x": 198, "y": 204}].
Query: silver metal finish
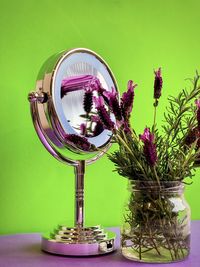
[
  {"x": 74, "y": 241},
  {"x": 56, "y": 114},
  {"x": 79, "y": 195}
]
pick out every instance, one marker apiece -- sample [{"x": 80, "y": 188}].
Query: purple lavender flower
[
  {"x": 149, "y": 147},
  {"x": 197, "y": 102},
  {"x": 113, "y": 102},
  {"x": 94, "y": 118},
  {"x": 126, "y": 127},
  {"x": 87, "y": 100},
  {"x": 83, "y": 129},
  {"x": 98, "y": 129},
  {"x": 101, "y": 92},
  {"x": 127, "y": 100},
  {"x": 95, "y": 84},
  {"x": 158, "y": 82},
  {"x": 103, "y": 113},
  {"x": 78, "y": 141},
  {"x": 192, "y": 136}
]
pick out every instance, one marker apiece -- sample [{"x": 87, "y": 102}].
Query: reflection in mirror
[
  {"x": 77, "y": 94},
  {"x": 77, "y": 100},
  {"x": 83, "y": 99},
  {"x": 80, "y": 80}
]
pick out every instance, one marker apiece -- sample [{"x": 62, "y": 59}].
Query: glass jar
[{"x": 156, "y": 222}]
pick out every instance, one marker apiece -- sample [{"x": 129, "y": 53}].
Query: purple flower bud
[
  {"x": 98, "y": 101},
  {"x": 87, "y": 100},
  {"x": 83, "y": 129},
  {"x": 192, "y": 136},
  {"x": 149, "y": 147},
  {"x": 197, "y": 102},
  {"x": 95, "y": 84},
  {"x": 101, "y": 92},
  {"x": 158, "y": 82},
  {"x": 113, "y": 103},
  {"x": 127, "y": 100},
  {"x": 98, "y": 126},
  {"x": 98, "y": 129},
  {"x": 103, "y": 113},
  {"x": 126, "y": 127},
  {"x": 78, "y": 141},
  {"x": 94, "y": 118}
]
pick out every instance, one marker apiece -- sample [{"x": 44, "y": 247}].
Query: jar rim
[
  {"x": 164, "y": 186},
  {"x": 155, "y": 181}
]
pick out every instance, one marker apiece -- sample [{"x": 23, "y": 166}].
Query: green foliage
[{"x": 175, "y": 158}]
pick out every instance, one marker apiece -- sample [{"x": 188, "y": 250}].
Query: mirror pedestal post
[{"x": 79, "y": 170}]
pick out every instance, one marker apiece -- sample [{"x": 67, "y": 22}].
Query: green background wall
[{"x": 134, "y": 37}]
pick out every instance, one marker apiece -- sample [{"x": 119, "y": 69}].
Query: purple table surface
[{"x": 23, "y": 250}]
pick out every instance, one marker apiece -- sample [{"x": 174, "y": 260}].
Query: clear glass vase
[{"x": 156, "y": 222}]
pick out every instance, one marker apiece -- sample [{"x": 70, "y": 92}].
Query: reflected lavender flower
[
  {"x": 149, "y": 147},
  {"x": 78, "y": 141},
  {"x": 94, "y": 118},
  {"x": 158, "y": 82},
  {"x": 83, "y": 129},
  {"x": 95, "y": 84},
  {"x": 101, "y": 92},
  {"x": 87, "y": 100},
  {"x": 103, "y": 113},
  {"x": 98, "y": 129},
  {"x": 127, "y": 100}
]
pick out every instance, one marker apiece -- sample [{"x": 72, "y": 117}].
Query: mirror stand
[
  {"x": 57, "y": 109},
  {"x": 79, "y": 240}
]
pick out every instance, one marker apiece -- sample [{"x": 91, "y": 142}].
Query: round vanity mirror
[
  {"x": 67, "y": 122},
  {"x": 65, "y": 87}
]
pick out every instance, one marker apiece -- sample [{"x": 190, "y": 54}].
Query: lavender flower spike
[
  {"x": 103, "y": 113},
  {"x": 197, "y": 102},
  {"x": 127, "y": 100},
  {"x": 83, "y": 129},
  {"x": 113, "y": 102},
  {"x": 99, "y": 127},
  {"x": 87, "y": 100},
  {"x": 149, "y": 147},
  {"x": 78, "y": 141},
  {"x": 158, "y": 82},
  {"x": 192, "y": 136}
]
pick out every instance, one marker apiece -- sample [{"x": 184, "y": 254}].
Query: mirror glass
[{"x": 80, "y": 77}]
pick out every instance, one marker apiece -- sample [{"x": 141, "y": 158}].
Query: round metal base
[{"x": 76, "y": 241}]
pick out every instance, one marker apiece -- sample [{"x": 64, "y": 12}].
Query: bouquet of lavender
[
  {"x": 156, "y": 225},
  {"x": 157, "y": 163}
]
